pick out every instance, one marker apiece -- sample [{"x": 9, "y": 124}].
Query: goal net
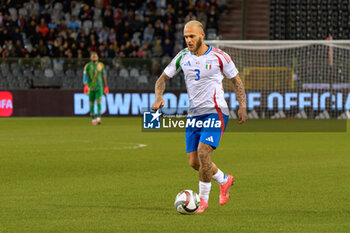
[{"x": 291, "y": 79}]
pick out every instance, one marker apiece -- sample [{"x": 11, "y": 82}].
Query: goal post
[{"x": 291, "y": 79}]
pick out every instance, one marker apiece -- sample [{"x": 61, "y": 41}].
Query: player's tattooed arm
[
  {"x": 240, "y": 93},
  {"x": 160, "y": 86},
  {"x": 159, "y": 90}
]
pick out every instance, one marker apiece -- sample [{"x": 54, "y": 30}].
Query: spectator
[
  {"x": 18, "y": 49},
  {"x": 157, "y": 49},
  {"x": 43, "y": 29},
  {"x": 80, "y": 53},
  {"x": 9, "y": 23},
  {"x": 51, "y": 35},
  {"x": 103, "y": 35},
  {"x": 158, "y": 29},
  {"x": 140, "y": 52},
  {"x": 35, "y": 52},
  {"x": 85, "y": 12},
  {"x": 108, "y": 19},
  {"x": 31, "y": 29},
  {"x": 20, "y": 22},
  {"x": 112, "y": 36},
  {"x": 118, "y": 16},
  {"x": 213, "y": 13},
  {"x": 50, "y": 48},
  {"x": 93, "y": 46},
  {"x": 134, "y": 46},
  {"x": 13, "y": 51},
  {"x": 37, "y": 36},
  {"x": 111, "y": 51},
  {"x": 62, "y": 26},
  {"x": 73, "y": 24},
  {"x": 52, "y": 24},
  {"x": 74, "y": 49},
  {"x": 212, "y": 24},
  {"x": 82, "y": 46},
  {"x": 148, "y": 33},
  {"x": 137, "y": 25},
  {"x": 93, "y": 32},
  {"x": 42, "y": 49},
  {"x": 169, "y": 14},
  {"x": 168, "y": 48},
  {"x": 82, "y": 37},
  {"x": 61, "y": 51},
  {"x": 167, "y": 34},
  {"x": 101, "y": 51},
  {"x": 146, "y": 50},
  {"x": 190, "y": 16},
  {"x": 24, "y": 52},
  {"x": 126, "y": 32},
  {"x": 128, "y": 49},
  {"x": 5, "y": 53},
  {"x": 16, "y": 35}
]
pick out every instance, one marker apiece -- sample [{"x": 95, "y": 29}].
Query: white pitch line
[{"x": 134, "y": 147}]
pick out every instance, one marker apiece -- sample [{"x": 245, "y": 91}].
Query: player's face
[
  {"x": 193, "y": 37},
  {"x": 94, "y": 57}
]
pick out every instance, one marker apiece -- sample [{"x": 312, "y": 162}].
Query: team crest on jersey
[
  {"x": 99, "y": 67},
  {"x": 208, "y": 65}
]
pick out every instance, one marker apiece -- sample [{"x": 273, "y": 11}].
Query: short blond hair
[{"x": 194, "y": 23}]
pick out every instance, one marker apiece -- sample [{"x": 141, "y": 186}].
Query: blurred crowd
[{"x": 133, "y": 28}]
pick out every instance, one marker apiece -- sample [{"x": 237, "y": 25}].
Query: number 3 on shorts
[{"x": 197, "y": 73}]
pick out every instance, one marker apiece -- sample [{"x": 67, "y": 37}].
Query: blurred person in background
[{"x": 95, "y": 83}]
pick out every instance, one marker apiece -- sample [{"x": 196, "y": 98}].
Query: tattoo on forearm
[
  {"x": 160, "y": 85},
  {"x": 240, "y": 91}
]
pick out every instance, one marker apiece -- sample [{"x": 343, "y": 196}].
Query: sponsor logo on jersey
[
  {"x": 210, "y": 139},
  {"x": 188, "y": 63}
]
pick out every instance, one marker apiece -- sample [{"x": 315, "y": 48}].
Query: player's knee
[
  {"x": 194, "y": 164},
  {"x": 193, "y": 160}
]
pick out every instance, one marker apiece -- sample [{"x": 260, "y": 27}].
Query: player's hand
[
  {"x": 158, "y": 104},
  {"x": 106, "y": 90},
  {"x": 86, "y": 89},
  {"x": 242, "y": 115}
]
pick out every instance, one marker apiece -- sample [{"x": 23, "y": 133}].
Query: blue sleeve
[{"x": 85, "y": 78}]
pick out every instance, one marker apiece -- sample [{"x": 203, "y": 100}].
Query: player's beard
[{"x": 197, "y": 46}]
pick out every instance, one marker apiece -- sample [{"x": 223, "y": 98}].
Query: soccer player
[
  {"x": 93, "y": 85},
  {"x": 204, "y": 68}
]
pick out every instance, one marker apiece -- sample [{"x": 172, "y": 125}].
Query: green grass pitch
[{"x": 65, "y": 175}]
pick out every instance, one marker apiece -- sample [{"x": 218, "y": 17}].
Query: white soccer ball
[{"x": 187, "y": 202}]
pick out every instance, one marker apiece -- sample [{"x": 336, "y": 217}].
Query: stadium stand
[
  {"x": 309, "y": 20},
  {"x": 49, "y": 38}
]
